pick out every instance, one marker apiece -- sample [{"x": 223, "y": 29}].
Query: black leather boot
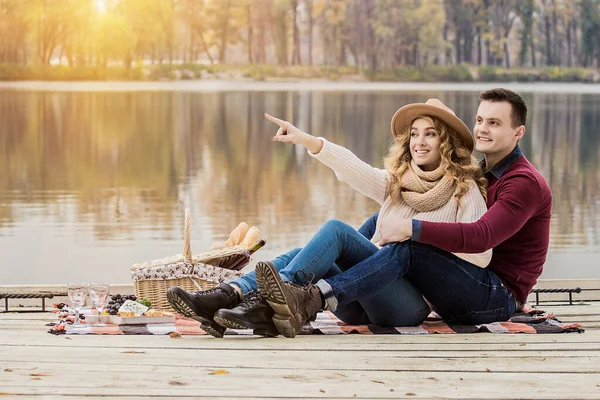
[
  {"x": 252, "y": 313},
  {"x": 202, "y": 306}
]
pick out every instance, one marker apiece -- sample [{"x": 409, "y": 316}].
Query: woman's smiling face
[{"x": 425, "y": 144}]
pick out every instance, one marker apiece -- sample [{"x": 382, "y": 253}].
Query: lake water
[{"x": 92, "y": 182}]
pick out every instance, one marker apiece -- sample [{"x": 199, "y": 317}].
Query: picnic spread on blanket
[
  {"x": 148, "y": 312},
  {"x": 536, "y": 321}
]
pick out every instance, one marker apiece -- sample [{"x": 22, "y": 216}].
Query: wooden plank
[
  {"x": 315, "y": 343},
  {"x": 266, "y": 383},
  {"x": 167, "y": 359},
  {"x": 484, "y": 339},
  {"x": 316, "y": 366}
]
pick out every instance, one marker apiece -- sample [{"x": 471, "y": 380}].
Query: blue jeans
[
  {"x": 460, "y": 291},
  {"x": 336, "y": 248},
  {"x": 248, "y": 282}
]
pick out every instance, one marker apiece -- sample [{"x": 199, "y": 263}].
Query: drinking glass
[
  {"x": 99, "y": 294},
  {"x": 77, "y": 293}
]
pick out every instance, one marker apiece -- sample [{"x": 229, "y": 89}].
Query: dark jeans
[{"x": 460, "y": 291}]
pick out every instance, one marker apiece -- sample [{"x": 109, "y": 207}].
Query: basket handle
[{"x": 187, "y": 248}]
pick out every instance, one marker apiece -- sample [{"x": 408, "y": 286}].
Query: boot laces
[
  {"x": 209, "y": 291},
  {"x": 305, "y": 280},
  {"x": 250, "y": 300}
]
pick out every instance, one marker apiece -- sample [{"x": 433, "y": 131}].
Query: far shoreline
[{"x": 315, "y": 85}]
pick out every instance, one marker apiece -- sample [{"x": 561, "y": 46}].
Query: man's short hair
[{"x": 519, "y": 108}]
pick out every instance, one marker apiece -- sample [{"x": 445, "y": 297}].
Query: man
[{"x": 516, "y": 226}]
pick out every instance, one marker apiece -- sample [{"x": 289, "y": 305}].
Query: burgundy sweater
[{"x": 516, "y": 225}]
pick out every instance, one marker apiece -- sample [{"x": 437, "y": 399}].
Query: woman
[{"x": 429, "y": 175}]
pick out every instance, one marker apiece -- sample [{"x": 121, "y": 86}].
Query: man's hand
[{"x": 395, "y": 230}]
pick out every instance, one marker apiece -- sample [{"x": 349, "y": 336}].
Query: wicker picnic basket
[{"x": 193, "y": 273}]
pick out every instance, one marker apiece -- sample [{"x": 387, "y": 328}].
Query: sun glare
[{"x": 101, "y": 6}]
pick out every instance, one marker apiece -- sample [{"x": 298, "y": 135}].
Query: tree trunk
[
  {"x": 372, "y": 40},
  {"x": 415, "y": 54},
  {"x": 468, "y": 45},
  {"x": 488, "y": 53},
  {"x": 281, "y": 37},
  {"x": 309, "y": 11},
  {"x": 205, "y": 48},
  {"x": 575, "y": 43},
  {"x": 555, "y": 50},
  {"x": 479, "y": 47},
  {"x": 548, "y": 41},
  {"x": 263, "y": 23},
  {"x": 506, "y": 54},
  {"x": 295, "y": 34},
  {"x": 250, "y": 32},
  {"x": 457, "y": 45},
  {"x": 342, "y": 55},
  {"x": 448, "y": 55},
  {"x": 533, "y": 58},
  {"x": 569, "y": 45},
  {"x": 224, "y": 32}
]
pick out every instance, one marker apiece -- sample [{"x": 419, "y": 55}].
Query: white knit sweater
[{"x": 372, "y": 182}]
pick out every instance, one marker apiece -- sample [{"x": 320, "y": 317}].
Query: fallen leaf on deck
[
  {"x": 522, "y": 344},
  {"x": 175, "y": 335},
  {"x": 373, "y": 380},
  {"x": 68, "y": 338},
  {"x": 177, "y": 383},
  {"x": 410, "y": 394},
  {"x": 321, "y": 390},
  {"x": 36, "y": 379},
  {"x": 133, "y": 352},
  {"x": 39, "y": 374},
  {"x": 488, "y": 370},
  {"x": 219, "y": 372},
  {"x": 8, "y": 370}
]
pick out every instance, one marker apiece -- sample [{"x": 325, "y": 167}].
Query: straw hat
[{"x": 433, "y": 108}]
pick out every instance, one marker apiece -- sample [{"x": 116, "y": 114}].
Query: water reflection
[{"x": 93, "y": 182}]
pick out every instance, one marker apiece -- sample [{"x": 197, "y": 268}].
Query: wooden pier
[{"x": 35, "y": 364}]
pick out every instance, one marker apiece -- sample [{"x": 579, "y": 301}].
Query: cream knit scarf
[{"x": 426, "y": 190}]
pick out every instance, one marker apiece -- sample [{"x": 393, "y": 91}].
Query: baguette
[
  {"x": 237, "y": 235},
  {"x": 251, "y": 238}
]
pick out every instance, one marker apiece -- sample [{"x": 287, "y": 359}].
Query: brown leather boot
[{"x": 293, "y": 304}]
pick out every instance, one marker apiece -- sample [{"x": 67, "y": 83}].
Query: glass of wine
[
  {"x": 99, "y": 294},
  {"x": 77, "y": 293}
]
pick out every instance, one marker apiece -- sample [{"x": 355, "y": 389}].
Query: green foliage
[
  {"x": 545, "y": 74},
  {"x": 431, "y": 73}
]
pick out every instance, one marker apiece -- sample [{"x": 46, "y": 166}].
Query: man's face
[{"x": 493, "y": 131}]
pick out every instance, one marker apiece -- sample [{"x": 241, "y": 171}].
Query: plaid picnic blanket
[{"x": 326, "y": 323}]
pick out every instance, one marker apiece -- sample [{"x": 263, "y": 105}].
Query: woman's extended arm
[{"x": 372, "y": 182}]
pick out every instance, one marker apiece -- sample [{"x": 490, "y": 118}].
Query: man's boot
[
  {"x": 293, "y": 304},
  {"x": 202, "y": 306},
  {"x": 252, "y": 313}
]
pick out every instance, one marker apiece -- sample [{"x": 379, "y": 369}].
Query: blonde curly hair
[{"x": 459, "y": 164}]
